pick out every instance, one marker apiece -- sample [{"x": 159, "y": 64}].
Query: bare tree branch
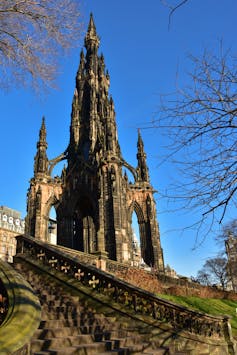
[
  {"x": 173, "y": 8},
  {"x": 200, "y": 122},
  {"x": 33, "y": 36}
]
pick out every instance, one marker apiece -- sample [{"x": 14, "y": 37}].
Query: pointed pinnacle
[
  {"x": 42, "y": 132},
  {"x": 42, "y": 136},
  {"x": 81, "y": 65},
  {"x": 91, "y": 27},
  {"x": 43, "y": 122},
  {"x": 139, "y": 135},
  {"x": 91, "y": 35}
]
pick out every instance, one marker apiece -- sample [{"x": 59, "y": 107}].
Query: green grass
[{"x": 216, "y": 307}]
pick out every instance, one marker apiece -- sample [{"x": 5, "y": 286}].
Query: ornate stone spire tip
[
  {"x": 91, "y": 35},
  {"x": 140, "y": 141},
  {"x": 43, "y": 127},
  {"x": 91, "y": 27}
]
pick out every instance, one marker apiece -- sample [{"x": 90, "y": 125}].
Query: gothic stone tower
[{"x": 93, "y": 199}]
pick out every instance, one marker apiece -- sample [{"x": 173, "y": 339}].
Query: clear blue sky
[{"x": 143, "y": 58}]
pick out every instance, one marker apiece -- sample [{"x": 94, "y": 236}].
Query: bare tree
[
  {"x": 214, "y": 271},
  {"x": 33, "y": 33},
  {"x": 204, "y": 278},
  {"x": 200, "y": 123}
]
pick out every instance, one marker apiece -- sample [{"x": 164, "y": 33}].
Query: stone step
[
  {"x": 83, "y": 327},
  {"x": 51, "y": 328},
  {"x": 124, "y": 351},
  {"x": 74, "y": 325},
  {"x": 60, "y": 342},
  {"x": 57, "y": 348},
  {"x": 57, "y": 314},
  {"x": 61, "y": 302},
  {"x": 156, "y": 352},
  {"x": 126, "y": 341},
  {"x": 56, "y": 323},
  {"x": 109, "y": 345},
  {"x": 60, "y": 332},
  {"x": 54, "y": 294},
  {"x": 51, "y": 322},
  {"x": 64, "y": 310}
]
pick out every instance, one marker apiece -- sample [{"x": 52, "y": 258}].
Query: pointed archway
[
  {"x": 144, "y": 229},
  {"x": 52, "y": 226},
  {"x": 84, "y": 230}
]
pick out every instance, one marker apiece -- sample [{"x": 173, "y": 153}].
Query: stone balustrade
[{"x": 134, "y": 299}]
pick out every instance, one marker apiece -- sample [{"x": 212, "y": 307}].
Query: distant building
[
  {"x": 231, "y": 251},
  {"x": 11, "y": 225},
  {"x": 171, "y": 272},
  {"x": 52, "y": 231},
  {"x": 136, "y": 251}
]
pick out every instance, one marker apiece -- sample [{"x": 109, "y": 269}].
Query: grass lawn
[{"x": 216, "y": 307}]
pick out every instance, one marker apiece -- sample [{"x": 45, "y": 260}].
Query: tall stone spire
[
  {"x": 142, "y": 169},
  {"x": 93, "y": 127},
  {"x": 41, "y": 159}
]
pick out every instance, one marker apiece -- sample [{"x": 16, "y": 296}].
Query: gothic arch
[
  {"x": 138, "y": 210},
  {"x": 145, "y": 233},
  {"x": 84, "y": 224},
  {"x": 52, "y": 201}
]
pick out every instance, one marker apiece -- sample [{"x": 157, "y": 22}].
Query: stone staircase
[
  {"x": 73, "y": 323},
  {"x": 86, "y": 310}
]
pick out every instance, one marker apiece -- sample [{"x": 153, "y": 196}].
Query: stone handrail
[
  {"x": 93, "y": 259},
  {"x": 23, "y": 315},
  {"x": 85, "y": 257},
  {"x": 133, "y": 298}
]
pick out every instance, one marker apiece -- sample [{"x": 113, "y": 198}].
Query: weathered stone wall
[
  {"x": 163, "y": 284},
  {"x": 11, "y": 225}
]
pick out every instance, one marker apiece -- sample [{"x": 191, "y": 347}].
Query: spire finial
[
  {"x": 91, "y": 27},
  {"x": 141, "y": 157},
  {"x": 42, "y": 133},
  {"x": 91, "y": 36},
  {"x": 41, "y": 159},
  {"x": 140, "y": 144}
]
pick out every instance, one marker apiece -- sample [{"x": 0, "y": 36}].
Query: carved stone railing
[
  {"x": 90, "y": 259},
  {"x": 132, "y": 298},
  {"x": 93, "y": 259}
]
